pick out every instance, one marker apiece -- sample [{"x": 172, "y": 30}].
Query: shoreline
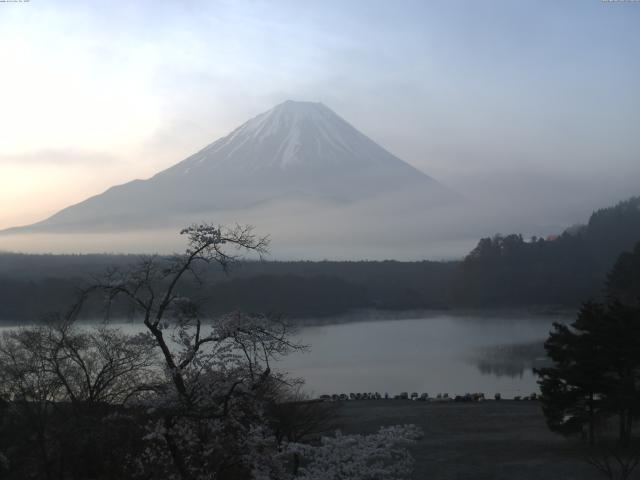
[{"x": 542, "y": 312}]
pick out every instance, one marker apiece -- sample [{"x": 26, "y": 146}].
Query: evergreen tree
[
  {"x": 623, "y": 283},
  {"x": 571, "y": 389},
  {"x": 596, "y": 371}
]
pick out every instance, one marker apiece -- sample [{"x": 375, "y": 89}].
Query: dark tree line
[
  {"x": 623, "y": 283},
  {"x": 592, "y": 388},
  {"x": 294, "y": 289},
  {"x": 502, "y": 271},
  {"x": 563, "y": 270}
]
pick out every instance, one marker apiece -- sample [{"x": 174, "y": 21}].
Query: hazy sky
[{"x": 538, "y": 99}]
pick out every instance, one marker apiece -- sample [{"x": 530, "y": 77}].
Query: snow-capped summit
[
  {"x": 292, "y": 135},
  {"x": 297, "y": 151}
]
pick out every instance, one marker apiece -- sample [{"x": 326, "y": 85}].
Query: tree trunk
[
  {"x": 623, "y": 433},
  {"x": 592, "y": 421},
  {"x": 176, "y": 455},
  {"x": 296, "y": 464}
]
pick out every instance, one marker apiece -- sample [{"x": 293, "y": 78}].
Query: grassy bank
[{"x": 504, "y": 440}]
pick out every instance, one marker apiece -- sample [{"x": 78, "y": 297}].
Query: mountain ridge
[{"x": 292, "y": 151}]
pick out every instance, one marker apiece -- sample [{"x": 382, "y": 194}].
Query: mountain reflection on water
[{"x": 510, "y": 360}]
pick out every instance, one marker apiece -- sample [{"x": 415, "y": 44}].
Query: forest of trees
[
  {"x": 295, "y": 289},
  {"x": 562, "y": 270},
  {"x": 502, "y": 271}
]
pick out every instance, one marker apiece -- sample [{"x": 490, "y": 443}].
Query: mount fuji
[{"x": 300, "y": 153}]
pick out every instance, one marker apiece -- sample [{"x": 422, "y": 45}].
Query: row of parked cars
[
  {"x": 422, "y": 397},
  {"x": 353, "y": 396}
]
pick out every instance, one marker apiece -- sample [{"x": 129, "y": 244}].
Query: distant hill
[{"x": 567, "y": 269}]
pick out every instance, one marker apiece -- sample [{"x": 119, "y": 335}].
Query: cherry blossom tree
[
  {"x": 59, "y": 382},
  {"x": 382, "y": 455},
  {"x": 209, "y": 417}
]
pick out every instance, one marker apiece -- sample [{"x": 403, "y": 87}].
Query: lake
[
  {"x": 435, "y": 353},
  {"x": 419, "y": 352}
]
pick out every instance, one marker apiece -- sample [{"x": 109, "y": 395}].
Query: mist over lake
[
  {"x": 434, "y": 354},
  {"x": 416, "y": 352}
]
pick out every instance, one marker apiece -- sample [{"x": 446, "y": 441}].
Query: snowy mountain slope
[
  {"x": 291, "y": 136},
  {"x": 295, "y": 151}
]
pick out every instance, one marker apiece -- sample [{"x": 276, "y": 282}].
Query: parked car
[
  {"x": 404, "y": 396},
  {"x": 444, "y": 397}
]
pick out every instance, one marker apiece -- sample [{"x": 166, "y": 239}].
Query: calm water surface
[
  {"x": 426, "y": 353},
  {"x": 443, "y": 353}
]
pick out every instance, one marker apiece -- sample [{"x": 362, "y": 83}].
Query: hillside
[
  {"x": 501, "y": 272},
  {"x": 567, "y": 269}
]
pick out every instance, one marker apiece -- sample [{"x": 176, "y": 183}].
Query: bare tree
[
  {"x": 295, "y": 418},
  {"x": 60, "y": 381},
  {"x": 60, "y": 362},
  {"x": 31, "y": 392},
  {"x": 152, "y": 286},
  {"x": 614, "y": 461},
  {"x": 211, "y": 415}
]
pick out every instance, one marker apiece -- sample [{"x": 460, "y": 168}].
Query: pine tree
[
  {"x": 571, "y": 389},
  {"x": 596, "y": 371}
]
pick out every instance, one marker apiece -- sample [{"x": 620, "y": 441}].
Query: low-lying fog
[{"x": 390, "y": 227}]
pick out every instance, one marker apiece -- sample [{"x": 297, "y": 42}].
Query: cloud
[{"x": 59, "y": 157}]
